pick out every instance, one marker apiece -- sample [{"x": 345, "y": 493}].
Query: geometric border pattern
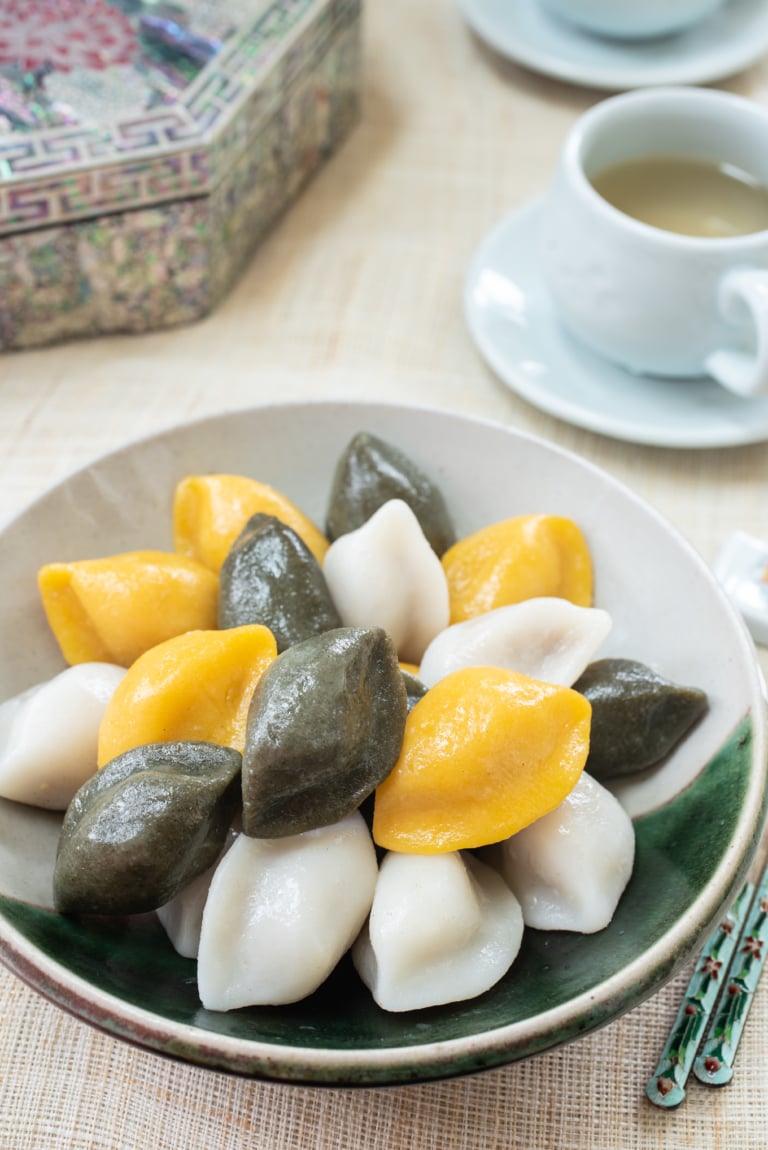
[{"x": 54, "y": 175}]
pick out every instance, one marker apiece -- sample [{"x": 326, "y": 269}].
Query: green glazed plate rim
[{"x": 392, "y": 1065}]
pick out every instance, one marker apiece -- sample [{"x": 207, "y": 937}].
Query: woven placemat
[{"x": 65, "y": 1086}]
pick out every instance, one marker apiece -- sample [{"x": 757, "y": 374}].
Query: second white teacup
[
  {"x": 655, "y": 235},
  {"x": 633, "y": 19}
]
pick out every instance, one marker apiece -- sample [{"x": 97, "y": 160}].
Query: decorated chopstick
[
  {"x": 714, "y": 1065},
  {"x": 666, "y": 1086}
]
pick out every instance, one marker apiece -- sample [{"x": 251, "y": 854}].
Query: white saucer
[
  {"x": 511, "y": 320},
  {"x": 727, "y": 42}
]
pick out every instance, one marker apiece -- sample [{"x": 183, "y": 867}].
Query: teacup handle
[{"x": 743, "y": 295}]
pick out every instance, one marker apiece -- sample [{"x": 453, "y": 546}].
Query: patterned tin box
[{"x": 147, "y": 145}]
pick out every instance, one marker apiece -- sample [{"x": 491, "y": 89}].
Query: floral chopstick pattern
[
  {"x": 666, "y": 1086},
  {"x": 714, "y": 1065}
]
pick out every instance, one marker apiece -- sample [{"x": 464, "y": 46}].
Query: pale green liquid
[{"x": 688, "y": 196}]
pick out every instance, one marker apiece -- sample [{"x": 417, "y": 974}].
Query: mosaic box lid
[{"x": 107, "y": 105}]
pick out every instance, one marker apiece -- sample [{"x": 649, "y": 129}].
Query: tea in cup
[
  {"x": 654, "y": 243},
  {"x": 684, "y": 194},
  {"x": 632, "y": 19}
]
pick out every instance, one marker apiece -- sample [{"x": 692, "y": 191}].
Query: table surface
[{"x": 357, "y": 294}]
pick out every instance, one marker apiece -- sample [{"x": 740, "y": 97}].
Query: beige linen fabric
[
  {"x": 357, "y": 293},
  {"x": 66, "y": 1087}
]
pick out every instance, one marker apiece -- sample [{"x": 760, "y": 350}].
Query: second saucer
[{"x": 729, "y": 41}]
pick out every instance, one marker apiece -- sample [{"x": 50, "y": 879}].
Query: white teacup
[
  {"x": 633, "y": 19},
  {"x": 654, "y": 300}
]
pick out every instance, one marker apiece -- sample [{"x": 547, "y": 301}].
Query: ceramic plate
[
  {"x": 510, "y": 318},
  {"x": 728, "y": 42},
  {"x": 697, "y": 816}
]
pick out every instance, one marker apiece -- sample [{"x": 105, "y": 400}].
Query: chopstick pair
[{"x": 737, "y": 946}]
